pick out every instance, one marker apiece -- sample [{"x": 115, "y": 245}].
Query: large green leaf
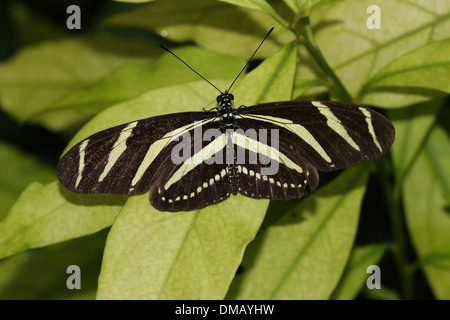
[
  {"x": 426, "y": 202},
  {"x": 187, "y": 255},
  {"x": 357, "y": 53},
  {"x": 39, "y": 76},
  {"x": 193, "y": 255},
  {"x": 303, "y": 254},
  {"x": 46, "y": 214}
]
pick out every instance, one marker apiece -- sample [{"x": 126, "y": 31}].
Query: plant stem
[
  {"x": 314, "y": 51},
  {"x": 399, "y": 247}
]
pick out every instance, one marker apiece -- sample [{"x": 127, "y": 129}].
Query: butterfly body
[{"x": 228, "y": 122}]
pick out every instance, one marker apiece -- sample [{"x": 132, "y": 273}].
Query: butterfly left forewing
[{"x": 125, "y": 158}]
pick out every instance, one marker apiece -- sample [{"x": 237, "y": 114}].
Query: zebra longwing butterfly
[{"x": 194, "y": 159}]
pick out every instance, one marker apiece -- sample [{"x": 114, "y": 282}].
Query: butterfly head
[{"x": 225, "y": 99}]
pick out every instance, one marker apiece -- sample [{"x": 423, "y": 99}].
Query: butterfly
[{"x": 191, "y": 160}]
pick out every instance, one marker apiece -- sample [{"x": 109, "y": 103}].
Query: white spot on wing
[
  {"x": 295, "y": 128},
  {"x": 334, "y": 123},
  {"x": 248, "y": 143},
  {"x": 368, "y": 116},
  {"x": 82, "y": 149},
  {"x": 207, "y": 152},
  {"x": 119, "y": 147},
  {"x": 154, "y": 149}
]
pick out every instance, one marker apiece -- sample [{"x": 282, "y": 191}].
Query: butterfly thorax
[{"x": 226, "y": 111}]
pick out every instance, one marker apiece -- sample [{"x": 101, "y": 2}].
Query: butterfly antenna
[
  {"x": 250, "y": 59},
  {"x": 190, "y": 68}
]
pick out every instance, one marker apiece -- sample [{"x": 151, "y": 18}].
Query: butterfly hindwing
[
  {"x": 291, "y": 179},
  {"x": 198, "y": 177}
]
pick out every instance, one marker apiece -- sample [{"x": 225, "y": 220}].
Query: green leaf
[
  {"x": 301, "y": 87},
  {"x": 187, "y": 255},
  {"x": 212, "y": 24},
  {"x": 260, "y": 5},
  {"x": 23, "y": 169},
  {"x": 355, "y": 274},
  {"x": 427, "y": 213},
  {"x": 303, "y": 254},
  {"x": 28, "y": 87},
  {"x": 272, "y": 81},
  {"x": 304, "y": 7},
  {"x": 357, "y": 53},
  {"x": 47, "y": 214},
  {"x": 412, "y": 125},
  {"x": 131, "y": 80},
  {"x": 41, "y": 273},
  {"x": 426, "y": 67},
  {"x": 192, "y": 255},
  {"x": 396, "y": 97},
  {"x": 292, "y": 4}
]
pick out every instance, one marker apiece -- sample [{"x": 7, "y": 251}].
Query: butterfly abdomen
[{"x": 228, "y": 125}]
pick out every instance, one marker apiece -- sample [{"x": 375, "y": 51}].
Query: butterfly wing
[
  {"x": 330, "y": 135},
  {"x": 312, "y": 135},
  {"x": 200, "y": 176},
  {"x": 125, "y": 159}
]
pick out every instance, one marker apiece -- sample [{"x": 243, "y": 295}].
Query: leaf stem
[
  {"x": 399, "y": 247},
  {"x": 310, "y": 44}
]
